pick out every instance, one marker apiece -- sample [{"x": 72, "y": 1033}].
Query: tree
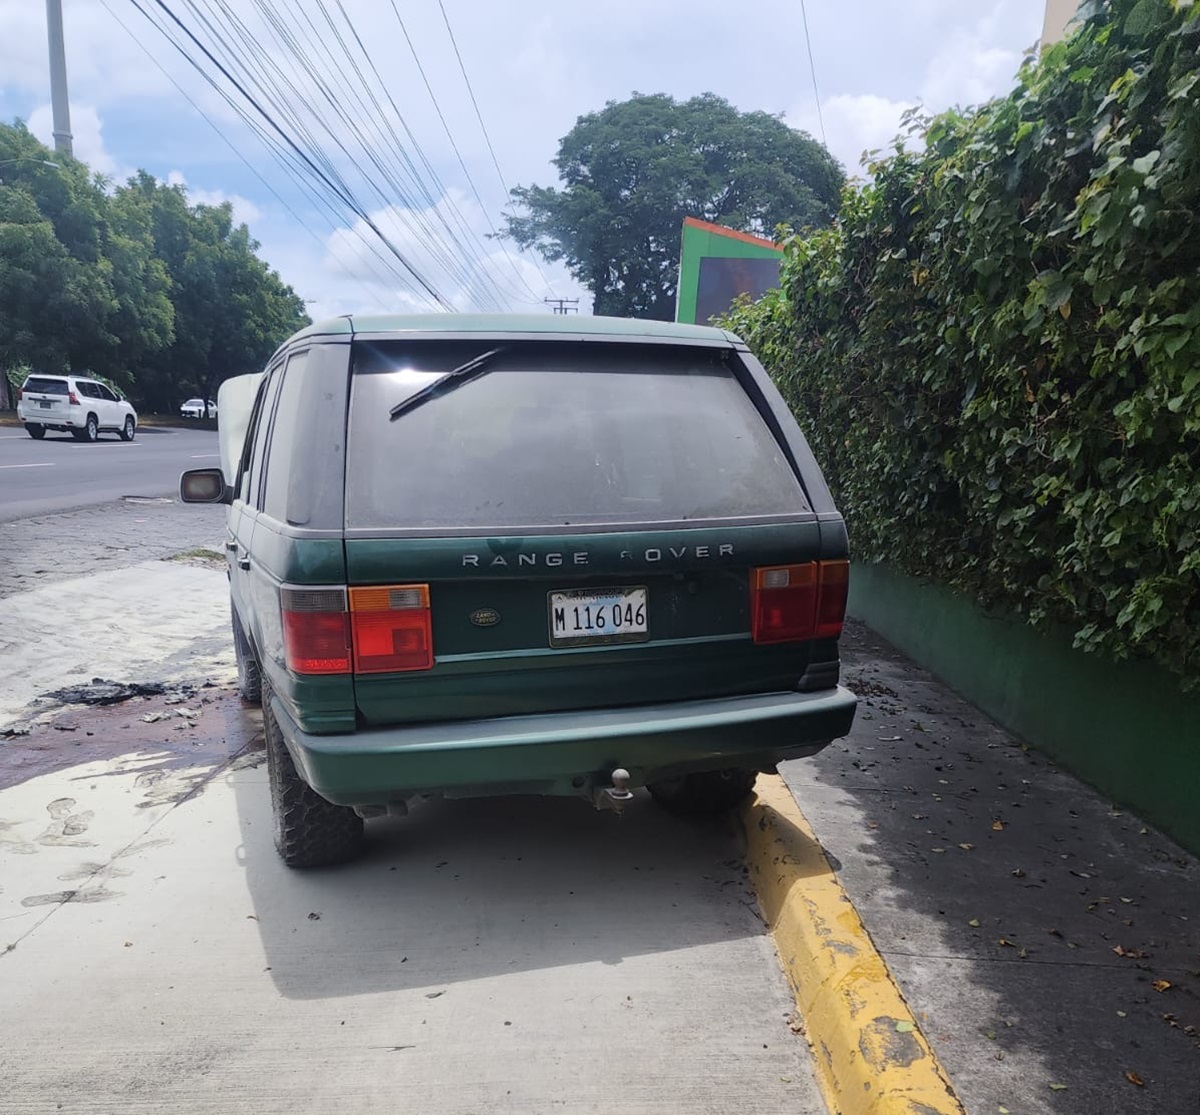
[
  {"x": 134, "y": 284},
  {"x": 632, "y": 172},
  {"x": 231, "y": 310}
]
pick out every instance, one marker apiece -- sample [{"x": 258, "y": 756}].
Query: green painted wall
[
  {"x": 1126, "y": 728},
  {"x": 695, "y": 245}
]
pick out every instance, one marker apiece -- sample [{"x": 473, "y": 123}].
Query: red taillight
[
  {"x": 392, "y": 628},
  {"x": 73, "y": 398},
  {"x": 795, "y": 602},
  {"x": 316, "y": 630},
  {"x": 831, "y": 609}
]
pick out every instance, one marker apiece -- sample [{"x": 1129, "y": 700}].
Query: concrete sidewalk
[{"x": 1047, "y": 941}]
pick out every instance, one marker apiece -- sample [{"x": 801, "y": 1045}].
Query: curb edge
[{"x": 869, "y": 1053}]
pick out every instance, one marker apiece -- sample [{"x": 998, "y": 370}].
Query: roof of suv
[{"x": 566, "y": 325}]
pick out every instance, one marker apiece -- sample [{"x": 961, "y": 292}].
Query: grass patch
[{"x": 200, "y": 553}]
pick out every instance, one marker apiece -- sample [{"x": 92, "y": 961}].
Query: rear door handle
[
  {"x": 243, "y": 563},
  {"x": 231, "y": 546}
]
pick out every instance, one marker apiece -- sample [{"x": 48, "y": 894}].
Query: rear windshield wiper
[{"x": 464, "y": 373}]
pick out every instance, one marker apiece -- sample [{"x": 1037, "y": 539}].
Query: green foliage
[
  {"x": 996, "y": 348},
  {"x": 634, "y": 170},
  {"x": 163, "y": 298}
]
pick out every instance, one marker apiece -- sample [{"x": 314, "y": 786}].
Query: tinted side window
[
  {"x": 305, "y": 460},
  {"x": 258, "y": 422},
  {"x": 88, "y": 388},
  {"x": 107, "y": 393},
  {"x": 257, "y": 438}
]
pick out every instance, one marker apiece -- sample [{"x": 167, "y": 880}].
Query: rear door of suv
[
  {"x": 46, "y": 399},
  {"x": 575, "y": 525}
]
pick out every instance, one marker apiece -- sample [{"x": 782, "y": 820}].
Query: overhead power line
[
  {"x": 234, "y": 148},
  {"x": 813, "y": 70},
  {"x": 301, "y": 77},
  {"x": 338, "y": 190},
  {"x": 288, "y": 162},
  {"x": 461, "y": 161},
  {"x": 479, "y": 116}
]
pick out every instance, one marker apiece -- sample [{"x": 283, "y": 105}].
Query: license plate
[
  {"x": 45, "y": 403},
  {"x": 595, "y": 617}
]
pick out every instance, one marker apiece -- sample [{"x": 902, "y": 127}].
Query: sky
[{"x": 533, "y": 67}]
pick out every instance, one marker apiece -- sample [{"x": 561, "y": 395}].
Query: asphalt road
[{"x": 59, "y": 473}]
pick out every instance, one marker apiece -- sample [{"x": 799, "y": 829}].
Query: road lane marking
[{"x": 39, "y": 464}]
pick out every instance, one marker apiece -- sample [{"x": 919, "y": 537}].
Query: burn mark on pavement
[
  {"x": 58, "y": 897},
  {"x": 65, "y": 825}
]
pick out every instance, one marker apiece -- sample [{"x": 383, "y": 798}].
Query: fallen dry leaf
[
  {"x": 1058, "y": 1087},
  {"x": 974, "y": 923},
  {"x": 904, "y": 1027},
  {"x": 967, "y": 847},
  {"x": 1018, "y": 874},
  {"x": 1134, "y": 954},
  {"x": 1161, "y": 985},
  {"x": 1133, "y": 1078},
  {"x": 1006, "y": 943},
  {"x": 997, "y": 826}
]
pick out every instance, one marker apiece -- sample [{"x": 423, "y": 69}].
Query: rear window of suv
[
  {"x": 41, "y": 385},
  {"x": 554, "y": 435}
]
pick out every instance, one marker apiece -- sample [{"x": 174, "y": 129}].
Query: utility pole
[
  {"x": 59, "y": 103},
  {"x": 563, "y": 305}
]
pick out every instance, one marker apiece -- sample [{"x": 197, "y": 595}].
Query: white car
[
  {"x": 194, "y": 408},
  {"x": 84, "y": 407}
]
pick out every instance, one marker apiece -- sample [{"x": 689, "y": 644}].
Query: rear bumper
[
  {"x": 51, "y": 421},
  {"x": 566, "y": 752}
]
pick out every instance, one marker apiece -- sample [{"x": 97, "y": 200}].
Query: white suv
[{"x": 85, "y": 407}]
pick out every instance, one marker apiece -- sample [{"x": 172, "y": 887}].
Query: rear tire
[
  {"x": 309, "y": 831},
  {"x": 249, "y": 675},
  {"x": 90, "y": 432},
  {"x": 34, "y": 431},
  {"x": 127, "y": 431},
  {"x": 705, "y": 794}
]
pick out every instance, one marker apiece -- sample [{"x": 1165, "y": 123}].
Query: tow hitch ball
[{"x": 615, "y": 796}]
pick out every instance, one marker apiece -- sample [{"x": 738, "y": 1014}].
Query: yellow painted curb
[{"x": 871, "y": 1057}]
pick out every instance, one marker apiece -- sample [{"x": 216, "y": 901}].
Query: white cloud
[
  {"x": 854, "y": 123},
  {"x": 103, "y": 63},
  {"x": 475, "y": 274},
  {"x": 87, "y": 143},
  {"x": 971, "y": 53}
]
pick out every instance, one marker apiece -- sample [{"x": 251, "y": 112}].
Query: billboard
[{"x": 717, "y": 264}]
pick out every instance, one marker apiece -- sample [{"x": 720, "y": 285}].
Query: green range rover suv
[{"x": 476, "y": 555}]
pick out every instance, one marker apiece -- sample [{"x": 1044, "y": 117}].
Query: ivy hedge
[{"x": 995, "y": 350}]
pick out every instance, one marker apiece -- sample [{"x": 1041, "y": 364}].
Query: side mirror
[{"x": 204, "y": 485}]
